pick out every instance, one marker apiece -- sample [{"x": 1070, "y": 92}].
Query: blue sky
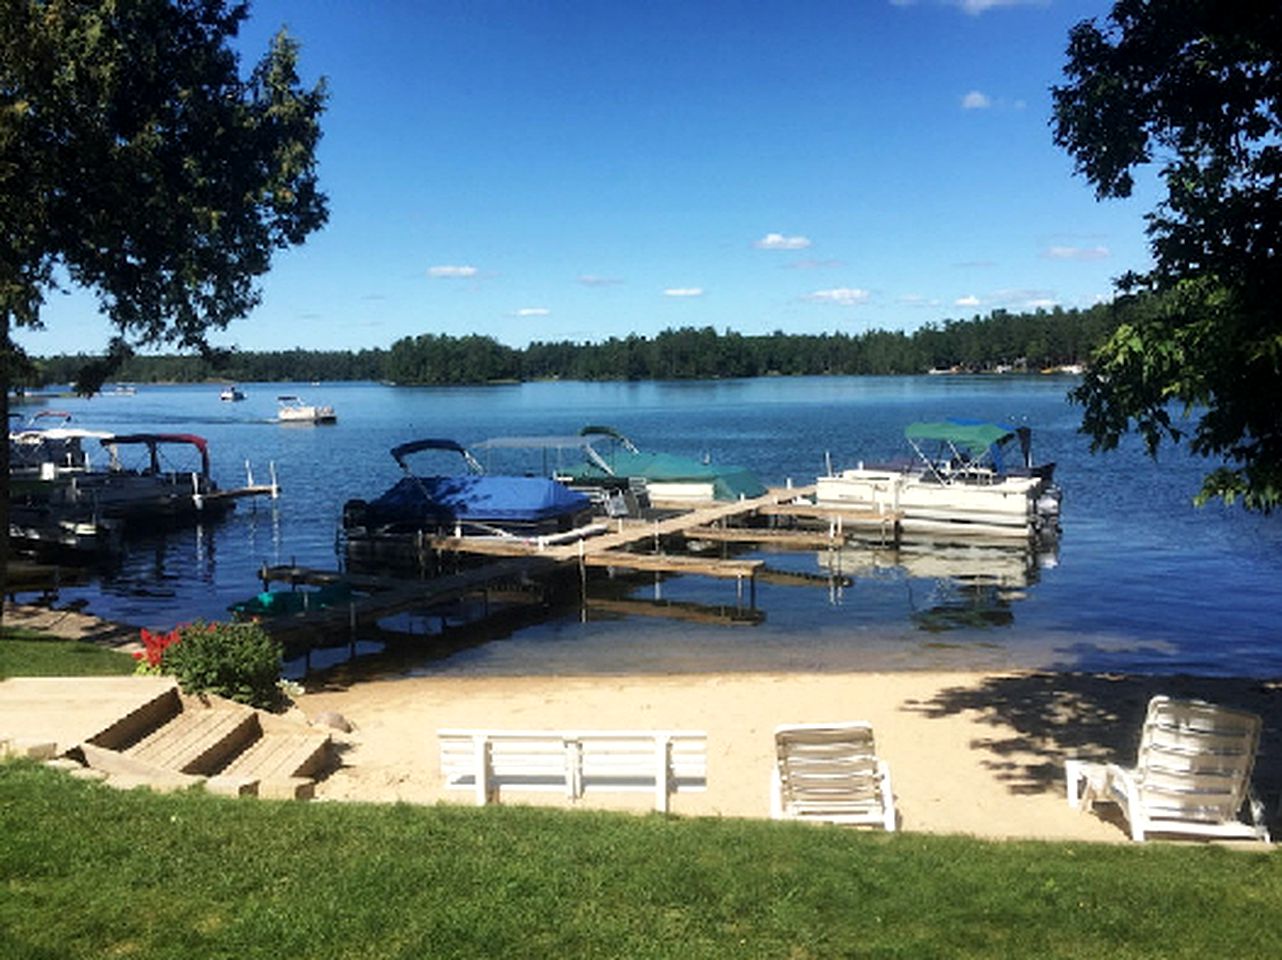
[{"x": 579, "y": 170}]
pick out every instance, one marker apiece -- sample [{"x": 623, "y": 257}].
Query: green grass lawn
[
  {"x": 90, "y": 872},
  {"x": 27, "y": 654}
]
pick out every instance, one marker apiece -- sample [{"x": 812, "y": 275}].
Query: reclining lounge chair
[
  {"x": 1192, "y": 774},
  {"x": 829, "y": 772}
]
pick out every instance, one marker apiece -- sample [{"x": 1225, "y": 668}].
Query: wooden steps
[
  {"x": 281, "y": 764},
  {"x": 231, "y": 749},
  {"x": 134, "y": 731},
  {"x": 199, "y": 741}
]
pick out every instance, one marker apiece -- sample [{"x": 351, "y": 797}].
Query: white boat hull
[
  {"x": 1009, "y": 506},
  {"x": 307, "y": 415}
]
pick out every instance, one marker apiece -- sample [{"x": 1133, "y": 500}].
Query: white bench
[{"x": 574, "y": 761}]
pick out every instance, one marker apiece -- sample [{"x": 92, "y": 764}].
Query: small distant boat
[
  {"x": 964, "y": 486},
  {"x": 231, "y": 394},
  {"x": 123, "y": 390},
  {"x": 294, "y": 410}
]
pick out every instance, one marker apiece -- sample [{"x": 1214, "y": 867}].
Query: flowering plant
[{"x": 151, "y": 658}]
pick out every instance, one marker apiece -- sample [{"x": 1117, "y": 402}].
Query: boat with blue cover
[{"x": 466, "y": 503}]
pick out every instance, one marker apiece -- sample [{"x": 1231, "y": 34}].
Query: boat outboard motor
[{"x": 355, "y": 513}]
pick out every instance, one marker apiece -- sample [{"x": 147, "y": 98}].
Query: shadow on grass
[{"x": 1040, "y": 720}]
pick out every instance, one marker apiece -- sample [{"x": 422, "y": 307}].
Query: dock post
[
  {"x": 583, "y": 585},
  {"x": 271, "y": 471},
  {"x": 249, "y": 473}
]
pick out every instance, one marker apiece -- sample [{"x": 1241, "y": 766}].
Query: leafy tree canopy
[
  {"x": 135, "y": 161},
  {"x": 1195, "y": 87}
]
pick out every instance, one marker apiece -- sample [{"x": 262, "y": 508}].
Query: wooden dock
[
  {"x": 531, "y": 560},
  {"x": 377, "y": 597}
]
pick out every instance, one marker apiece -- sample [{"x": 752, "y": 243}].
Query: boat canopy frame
[
  {"x": 400, "y": 452},
  {"x": 974, "y": 444},
  {"x": 544, "y": 444},
  {"x": 153, "y": 441}
]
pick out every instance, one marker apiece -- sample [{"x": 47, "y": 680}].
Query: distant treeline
[{"x": 1000, "y": 340}]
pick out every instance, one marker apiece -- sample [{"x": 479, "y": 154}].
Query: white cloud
[
  {"x": 967, "y": 301},
  {"x": 842, "y": 296},
  {"x": 683, "y": 292},
  {"x": 591, "y": 280},
  {"x": 1100, "y": 252},
  {"x": 533, "y": 312},
  {"x": 975, "y": 100},
  {"x": 976, "y": 7},
  {"x": 777, "y": 241},
  {"x": 448, "y": 271},
  {"x": 1041, "y": 303}
]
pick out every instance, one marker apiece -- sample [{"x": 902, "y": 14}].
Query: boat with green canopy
[
  {"x": 968, "y": 476},
  {"x": 667, "y": 477}
]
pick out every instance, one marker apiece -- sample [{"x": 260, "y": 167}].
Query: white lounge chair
[
  {"x": 1192, "y": 774},
  {"x": 829, "y": 772}
]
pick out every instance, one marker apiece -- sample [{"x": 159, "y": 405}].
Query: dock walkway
[{"x": 526, "y": 560}]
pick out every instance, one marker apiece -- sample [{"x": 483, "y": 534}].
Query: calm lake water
[{"x": 1139, "y": 581}]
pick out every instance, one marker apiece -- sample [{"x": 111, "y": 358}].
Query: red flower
[{"x": 154, "y": 645}]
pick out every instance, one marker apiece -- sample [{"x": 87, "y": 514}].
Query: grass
[
  {"x": 27, "y": 654},
  {"x": 86, "y": 871},
  {"x": 90, "y": 872}
]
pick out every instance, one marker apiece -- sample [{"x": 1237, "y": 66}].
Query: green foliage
[
  {"x": 23, "y": 654},
  {"x": 211, "y": 877},
  {"x": 1190, "y": 85},
  {"x": 1024, "y": 341},
  {"x": 136, "y": 161},
  {"x": 239, "y": 661}
]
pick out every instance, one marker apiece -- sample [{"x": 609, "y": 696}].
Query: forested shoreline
[{"x": 999, "y": 341}]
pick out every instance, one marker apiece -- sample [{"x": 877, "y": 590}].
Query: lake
[{"x": 1139, "y": 581}]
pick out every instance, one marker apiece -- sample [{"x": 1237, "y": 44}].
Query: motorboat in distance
[{"x": 294, "y": 410}]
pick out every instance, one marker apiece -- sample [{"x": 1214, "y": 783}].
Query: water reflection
[{"x": 951, "y": 583}]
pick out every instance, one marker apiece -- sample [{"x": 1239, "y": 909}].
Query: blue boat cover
[{"x": 438, "y": 500}]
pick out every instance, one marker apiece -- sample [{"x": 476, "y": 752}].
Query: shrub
[{"x": 239, "y": 661}]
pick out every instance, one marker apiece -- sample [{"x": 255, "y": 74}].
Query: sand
[
  {"x": 971, "y": 753},
  {"x": 978, "y": 753}
]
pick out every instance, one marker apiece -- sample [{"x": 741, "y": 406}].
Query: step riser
[{"x": 132, "y": 728}]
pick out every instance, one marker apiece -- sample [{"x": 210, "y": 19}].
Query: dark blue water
[{"x": 1140, "y": 580}]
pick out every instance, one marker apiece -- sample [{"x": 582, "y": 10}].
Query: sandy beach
[{"x": 973, "y": 753}]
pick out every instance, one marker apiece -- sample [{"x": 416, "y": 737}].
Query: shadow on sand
[{"x": 1040, "y": 720}]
